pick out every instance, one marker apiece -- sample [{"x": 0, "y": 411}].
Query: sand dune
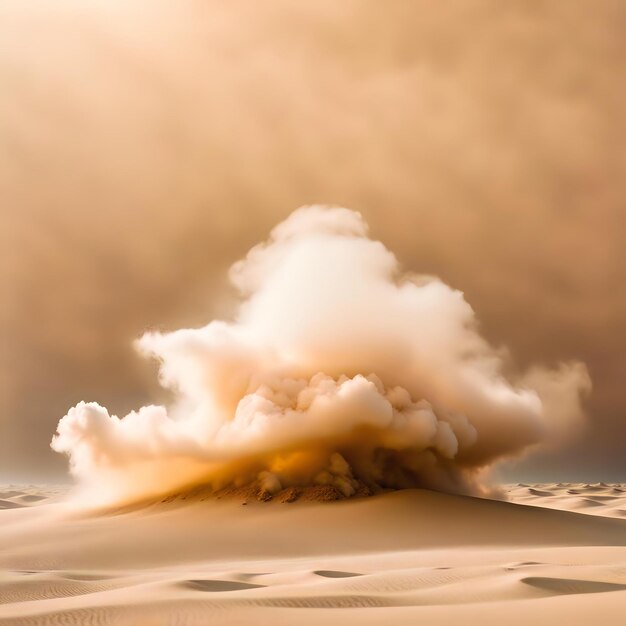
[
  {"x": 597, "y": 499},
  {"x": 422, "y": 557},
  {"x": 13, "y": 496}
]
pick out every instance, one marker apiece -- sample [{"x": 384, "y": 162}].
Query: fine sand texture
[{"x": 405, "y": 557}]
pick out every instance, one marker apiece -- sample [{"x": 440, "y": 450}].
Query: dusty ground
[{"x": 403, "y": 558}]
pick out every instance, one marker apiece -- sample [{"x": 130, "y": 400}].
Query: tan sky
[{"x": 145, "y": 147}]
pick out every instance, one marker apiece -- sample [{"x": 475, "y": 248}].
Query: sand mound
[
  {"x": 10, "y": 494},
  {"x": 9, "y": 504},
  {"x": 29, "y": 498},
  {"x": 253, "y": 492}
]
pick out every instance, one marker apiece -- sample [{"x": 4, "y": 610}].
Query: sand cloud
[{"x": 338, "y": 368}]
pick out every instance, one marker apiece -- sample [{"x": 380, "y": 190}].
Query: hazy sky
[{"x": 145, "y": 146}]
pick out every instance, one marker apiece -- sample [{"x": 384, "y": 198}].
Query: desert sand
[
  {"x": 595, "y": 499},
  {"x": 403, "y": 557}
]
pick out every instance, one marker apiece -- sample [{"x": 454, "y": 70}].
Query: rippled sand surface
[{"x": 410, "y": 557}]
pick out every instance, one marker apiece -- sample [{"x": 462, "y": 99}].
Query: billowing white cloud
[{"x": 337, "y": 369}]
